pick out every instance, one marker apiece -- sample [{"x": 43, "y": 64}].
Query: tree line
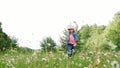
[{"x": 92, "y": 37}]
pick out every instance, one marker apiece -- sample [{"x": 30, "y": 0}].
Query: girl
[{"x": 72, "y": 38}]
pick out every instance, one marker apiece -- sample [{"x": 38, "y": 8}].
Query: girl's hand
[
  {"x": 75, "y": 22},
  {"x": 74, "y": 44},
  {"x": 76, "y": 27}
]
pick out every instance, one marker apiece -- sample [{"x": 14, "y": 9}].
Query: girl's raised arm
[{"x": 76, "y": 27}]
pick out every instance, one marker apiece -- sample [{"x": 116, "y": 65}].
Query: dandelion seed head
[
  {"x": 116, "y": 55},
  {"x": 98, "y": 60},
  {"x": 115, "y": 64},
  {"x": 44, "y": 59},
  {"x": 104, "y": 65},
  {"x": 72, "y": 62},
  {"x": 79, "y": 65},
  {"x": 60, "y": 59},
  {"x": 108, "y": 61}
]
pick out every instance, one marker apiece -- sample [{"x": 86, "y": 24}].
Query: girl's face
[{"x": 70, "y": 30}]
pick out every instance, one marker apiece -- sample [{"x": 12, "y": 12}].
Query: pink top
[{"x": 72, "y": 39}]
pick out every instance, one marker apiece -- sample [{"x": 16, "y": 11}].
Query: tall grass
[{"x": 37, "y": 59}]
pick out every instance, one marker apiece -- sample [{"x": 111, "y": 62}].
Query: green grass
[{"x": 83, "y": 59}]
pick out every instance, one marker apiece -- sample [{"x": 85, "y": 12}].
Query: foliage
[
  {"x": 5, "y": 41},
  {"x": 23, "y": 50},
  {"x": 117, "y": 16},
  {"x": 89, "y": 37},
  {"x": 14, "y": 42},
  {"x": 97, "y": 37},
  {"x": 83, "y": 34},
  {"x": 48, "y": 44},
  {"x": 63, "y": 40},
  {"x": 113, "y": 33}
]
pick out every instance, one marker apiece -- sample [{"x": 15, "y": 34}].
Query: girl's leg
[
  {"x": 74, "y": 49},
  {"x": 69, "y": 50}
]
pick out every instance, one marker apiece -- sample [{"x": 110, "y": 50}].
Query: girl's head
[
  {"x": 71, "y": 31},
  {"x": 70, "y": 28}
]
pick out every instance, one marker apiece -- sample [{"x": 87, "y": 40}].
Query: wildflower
[
  {"x": 99, "y": 53},
  {"x": 72, "y": 62},
  {"x": 85, "y": 67},
  {"x": 3, "y": 48},
  {"x": 6, "y": 55},
  {"x": 54, "y": 58},
  {"x": 50, "y": 52},
  {"x": 104, "y": 66},
  {"x": 90, "y": 66},
  {"x": 9, "y": 64},
  {"x": 60, "y": 59},
  {"x": 67, "y": 67},
  {"x": 105, "y": 54},
  {"x": 34, "y": 54},
  {"x": 13, "y": 60},
  {"x": 76, "y": 64},
  {"x": 115, "y": 64},
  {"x": 63, "y": 53},
  {"x": 47, "y": 66},
  {"x": 108, "y": 61},
  {"x": 112, "y": 45},
  {"x": 65, "y": 56},
  {"x": 49, "y": 44},
  {"x": 44, "y": 59},
  {"x": 28, "y": 61},
  {"x": 116, "y": 55},
  {"x": 14, "y": 51},
  {"x": 90, "y": 52},
  {"x": 79, "y": 65},
  {"x": 97, "y": 61}
]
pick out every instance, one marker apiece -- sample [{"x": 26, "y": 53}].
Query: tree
[
  {"x": 113, "y": 33},
  {"x": 64, "y": 39},
  {"x": 83, "y": 35},
  {"x": 14, "y": 41},
  {"x": 48, "y": 44},
  {"x": 90, "y": 36},
  {"x": 117, "y": 16},
  {"x": 5, "y": 41},
  {"x": 84, "y": 32},
  {"x": 0, "y": 28}
]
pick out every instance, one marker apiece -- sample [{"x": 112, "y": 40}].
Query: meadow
[
  {"x": 98, "y": 47},
  {"x": 59, "y": 59}
]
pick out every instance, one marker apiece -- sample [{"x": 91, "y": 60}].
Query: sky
[{"x": 32, "y": 20}]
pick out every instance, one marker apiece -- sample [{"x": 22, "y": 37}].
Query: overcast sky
[{"x": 32, "y": 20}]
